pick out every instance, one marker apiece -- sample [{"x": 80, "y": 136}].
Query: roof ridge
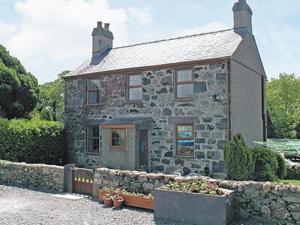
[{"x": 175, "y": 38}]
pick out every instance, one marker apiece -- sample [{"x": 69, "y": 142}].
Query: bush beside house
[
  {"x": 236, "y": 152},
  {"x": 258, "y": 163},
  {"x": 32, "y": 141}
]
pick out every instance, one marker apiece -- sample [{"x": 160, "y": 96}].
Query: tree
[
  {"x": 283, "y": 97},
  {"x": 52, "y": 97},
  {"x": 19, "y": 89},
  {"x": 238, "y": 159},
  {"x": 270, "y": 126}
]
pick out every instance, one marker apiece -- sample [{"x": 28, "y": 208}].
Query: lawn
[{"x": 293, "y": 182}]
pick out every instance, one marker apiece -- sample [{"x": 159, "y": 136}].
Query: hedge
[
  {"x": 293, "y": 172},
  {"x": 32, "y": 141}
]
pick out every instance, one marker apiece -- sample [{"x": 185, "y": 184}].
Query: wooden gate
[{"x": 82, "y": 181}]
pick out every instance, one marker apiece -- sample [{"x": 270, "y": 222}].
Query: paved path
[{"x": 21, "y": 206}]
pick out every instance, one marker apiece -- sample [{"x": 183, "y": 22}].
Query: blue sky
[{"x": 49, "y": 36}]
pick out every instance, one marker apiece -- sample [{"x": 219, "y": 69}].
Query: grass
[{"x": 293, "y": 182}]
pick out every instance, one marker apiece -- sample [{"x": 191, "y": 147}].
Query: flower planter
[
  {"x": 194, "y": 208},
  {"x": 101, "y": 195},
  {"x": 138, "y": 201},
  {"x": 107, "y": 201},
  {"x": 117, "y": 201}
]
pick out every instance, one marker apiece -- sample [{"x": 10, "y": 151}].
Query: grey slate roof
[{"x": 182, "y": 49}]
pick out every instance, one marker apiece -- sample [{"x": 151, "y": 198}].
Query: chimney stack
[
  {"x": 242, "y": 16},
  {"x": 102, "y": 39},
  {"x": 99, "y": 24},
  {"x": 106, "y": 26}
]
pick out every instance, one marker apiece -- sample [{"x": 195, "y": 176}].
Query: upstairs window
[
  {"x": 184, "y": 84},
  {"x": 134, "y": 88},
  {"x": 93, "y": 139},
  {"x": 93, "y": 91},
  {"x": 118, "y": 139},
  {"x": 185, "y": 140}
]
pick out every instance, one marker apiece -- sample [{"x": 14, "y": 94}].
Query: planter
[
  {"x": 194, "y": 208},
  {"x": 138, "y": 201},
  {"x": 101, "y": 195},
  {"x": 107, "y": 201},
  {"x": 117, "y": 203}
]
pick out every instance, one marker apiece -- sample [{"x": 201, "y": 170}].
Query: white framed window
[
  {"x": 185, "y": 140},
  {"x": 93, "y": 91},
  {"x": 184, "y": 84},
  {"x": 134, "y": 88},
  {"x": 118, "y": 139},
  {"x": 93, "y": 139}
]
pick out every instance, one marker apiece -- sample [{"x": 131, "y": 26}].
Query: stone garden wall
[
  {"x": 33, "y": 176},
  {"x": 265, "y": 201}
]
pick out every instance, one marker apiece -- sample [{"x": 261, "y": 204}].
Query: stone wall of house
[
  {"x": 33, "y": 176},
  {"x": 265, "y": 201},
  {"x": 207, "y": 110}
]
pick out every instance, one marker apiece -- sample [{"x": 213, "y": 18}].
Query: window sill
[
  {"x": 117, "y": 149},
  {"x": 93, "y": 153},
  {"x": 98, "y": 104},
  {"x": 184, "y": 157},
  {"x": 134, "y": 102},
  {"x": 184, "y": 99}
]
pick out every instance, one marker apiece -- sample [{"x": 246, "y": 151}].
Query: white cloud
[
  {"x": 6, "y": 31},
  {"x": 142, "y": 15},
  {"x": 54, "y": 35},
  {"x": 212, "y": 26}
]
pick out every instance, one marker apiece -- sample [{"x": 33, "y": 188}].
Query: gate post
[{"x": 68, "y": 178}]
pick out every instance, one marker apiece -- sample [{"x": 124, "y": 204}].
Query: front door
[{"x": 143, "y": 144}]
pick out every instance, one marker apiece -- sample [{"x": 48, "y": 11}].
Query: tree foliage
[
  {"x": 238, "y": 159},
  {"x": 265, "y": 164},
  {"x": 51, "y": 100},
  {"x": 32, "y": 141},
  {"x": 18, "y": 89},
  {"x": 283, "y": 97}
]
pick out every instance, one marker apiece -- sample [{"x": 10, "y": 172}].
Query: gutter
[{"x": 146, "y": 68}]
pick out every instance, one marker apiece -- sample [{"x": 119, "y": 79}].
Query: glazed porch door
[{"x": 143, "y": 145}]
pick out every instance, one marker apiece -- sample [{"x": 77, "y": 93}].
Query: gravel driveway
[{"x": 22, "y": 206}]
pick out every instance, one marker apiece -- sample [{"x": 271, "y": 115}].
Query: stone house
[{"x": 167, "y": 105}]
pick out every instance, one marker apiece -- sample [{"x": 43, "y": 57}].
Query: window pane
[
  {"x": 118, "y": 138},
  {"x": 94, "y": 84},
  {"x": 184, "y": 75},
  {"x": 185, "y": 147},
  {"x": 94, "y": 97},
  {"x": 93, "y": 145},
  {"x": 185, "y": 90},
  {"x": 96, "y": 132},
  {"x": 135, "y": 80},
  {"x": 93, "y": 139},
  {"x": 135, "y": 94},
  {"x": 185, "y": 131}
]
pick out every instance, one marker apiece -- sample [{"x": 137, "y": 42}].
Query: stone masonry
[
  {"x": 207, "y": 111},
  {"x": 33, "y": 176},
  {"x": 273, "y": 203}
]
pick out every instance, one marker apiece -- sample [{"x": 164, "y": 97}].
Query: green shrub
[
  {"x": 32, "y": 141},
  {"x": 282, "y": 167},
  {"x": 265, "y": 164},
  {"x": 238, "y": 159},
  {"x": 46, "y": 114},
  {"x": 293, "y": 172}
]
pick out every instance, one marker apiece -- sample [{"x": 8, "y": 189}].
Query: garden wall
[
  {"x": 265, "y": 201},
  {"x": 33, "y": 176}
]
